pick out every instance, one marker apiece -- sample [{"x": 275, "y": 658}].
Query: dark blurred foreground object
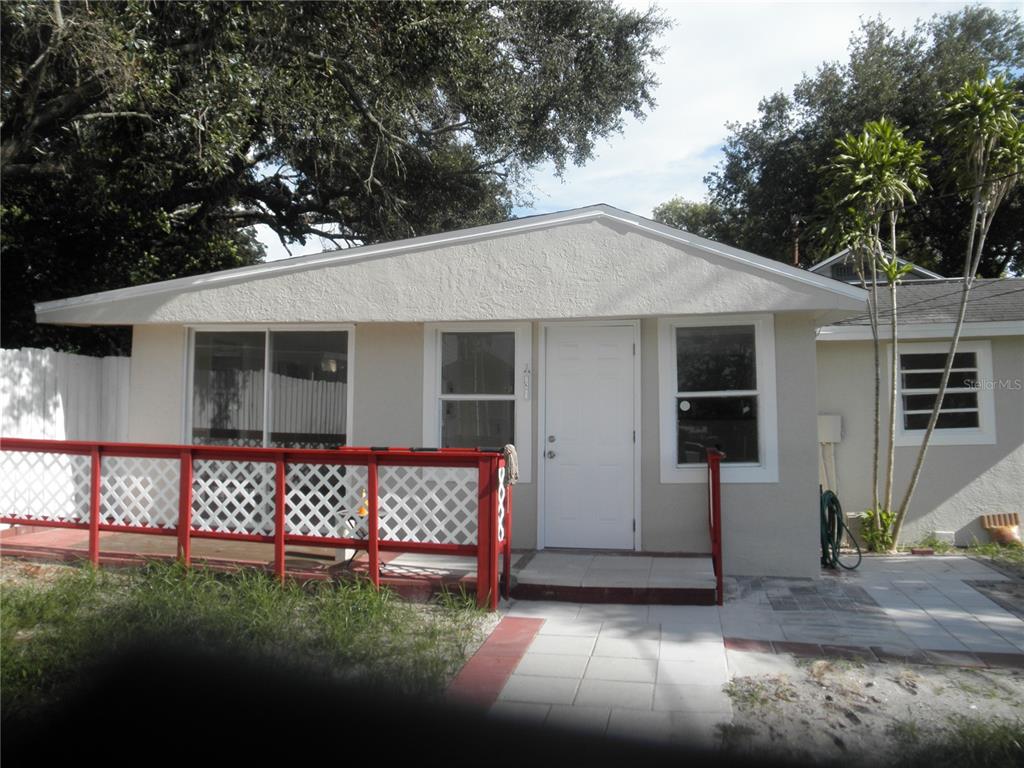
[{"x": 178, "y": 704}]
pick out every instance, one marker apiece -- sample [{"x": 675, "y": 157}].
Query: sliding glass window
[{"x": 303, "y": 403}]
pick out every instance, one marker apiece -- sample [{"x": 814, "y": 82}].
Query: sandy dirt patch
[{"x": 858, "y": 713}]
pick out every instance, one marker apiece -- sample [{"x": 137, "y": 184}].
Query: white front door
[{"x": 589, "y": 436}]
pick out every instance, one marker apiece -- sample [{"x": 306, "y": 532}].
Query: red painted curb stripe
[{"x": 483, "y": 677}]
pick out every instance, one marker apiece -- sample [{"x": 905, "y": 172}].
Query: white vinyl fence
[{"x": 60, "y": 396}]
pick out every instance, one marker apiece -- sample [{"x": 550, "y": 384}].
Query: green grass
[
  {"x": 940, "y": 546},
  {"x": 1009, "y": 555},
  {"x": 968, "y": 743},
  {"x": 50, "y": 633},
  {"x": 1012, "y": 554}
]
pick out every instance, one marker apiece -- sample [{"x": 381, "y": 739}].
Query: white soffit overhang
[{"x": 142, "y": 304}]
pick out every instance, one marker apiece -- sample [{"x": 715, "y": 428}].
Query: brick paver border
[{"x": 485, "y": 674}]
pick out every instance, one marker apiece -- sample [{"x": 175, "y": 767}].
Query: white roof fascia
[
  {"x": 383, "y": 250},
  {"x": 923, "y": 330}
]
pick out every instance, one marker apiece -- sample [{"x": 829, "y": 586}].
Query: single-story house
[
  {"x": 610, "y": 349},
  {"x": 975, "y": 463}
]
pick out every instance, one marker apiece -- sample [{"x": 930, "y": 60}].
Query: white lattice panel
[
  {"x": 45, "y": 486},
  {"x": 140, "y": 492},
  {"x": 233, "y": 496},
  {"x": 501, "y": 503},
  {"x": 428, "y": 504},
  {"x": 325, "y": 499}
]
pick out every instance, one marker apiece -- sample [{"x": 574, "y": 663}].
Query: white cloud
[{"x": 720, "y": 60}]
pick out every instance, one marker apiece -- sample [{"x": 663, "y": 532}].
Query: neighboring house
[
  {"x": 841, "y": 266},
  {"x": 609, "y": 348},
  {"x": 975, "y": 462}
]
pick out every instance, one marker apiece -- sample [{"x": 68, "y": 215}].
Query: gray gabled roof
[{"x": 938, "y": 301}]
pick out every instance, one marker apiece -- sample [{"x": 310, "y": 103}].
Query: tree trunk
[
  {"x": 894, "y": 367},
  {"x": 972, "y": 259},
  {"x": 877, "y": 422},
  {"x": 894, "y": 380}
]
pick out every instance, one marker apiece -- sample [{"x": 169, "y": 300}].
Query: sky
[{"x": 720, "y": 59}]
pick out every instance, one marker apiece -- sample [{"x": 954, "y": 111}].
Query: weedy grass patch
[
  {"x": 968, "y": 743},
  {"x": 1009, "y": 556},
  {"x": 50, "y": 633}
]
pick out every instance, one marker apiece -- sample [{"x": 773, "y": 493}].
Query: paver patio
[{"x": 899, "y": 603}]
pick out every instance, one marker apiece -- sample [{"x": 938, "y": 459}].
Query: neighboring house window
[
  {"x": 718, "y": 391},
  {"x": 477, "y": 380},
  {"x": 302, "y": 403},
  {"x": 965, "y": 416}
]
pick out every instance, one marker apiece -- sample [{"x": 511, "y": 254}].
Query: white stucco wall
[
  {"x": 768, "y": 528},
  {"x": 590, "y": 268},
  {"x": 158, "y": 388},
  {"x": 387, "y": 386},
  {"x": 958, "y": 482}
]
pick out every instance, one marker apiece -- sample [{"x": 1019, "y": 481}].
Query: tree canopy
[
  {"x": 767, "y": 191},
  {"x": 142, "y": 141}
]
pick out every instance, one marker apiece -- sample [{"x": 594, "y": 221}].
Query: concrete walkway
[
  {"x": 650, "y": 672},
  {"x": 659, "y": 672}
]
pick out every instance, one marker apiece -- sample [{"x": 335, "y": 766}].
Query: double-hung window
[
  {"x": 718, "y": 391},
  {"x": 274, "y": 388},
  {"x": 965, "y": 416},
  {"x": 477, "y": 386}
]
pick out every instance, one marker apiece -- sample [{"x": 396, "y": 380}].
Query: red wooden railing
[
  {"x": 715, "y": 457},
  {"x": 493, "y": 503}
]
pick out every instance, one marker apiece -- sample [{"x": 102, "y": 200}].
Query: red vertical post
[
  {"x": 94, "y": 505},
  {"x": 372, "y": 521},
  {"x": 715, "y": 500},
  {"x": 279, "y": 522},
  {"x": 484, "y": 535},
  {"x": 185, "y": 508}
]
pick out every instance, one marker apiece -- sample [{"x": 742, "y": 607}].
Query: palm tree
[
  {"x": 983, "y": 126},
  {"x": 872, "y": 178}
]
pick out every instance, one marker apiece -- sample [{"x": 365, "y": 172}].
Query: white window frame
[
  {"x": 190, "y": 357},
  {"x": 523, "y": 410},
  {"x": 985, "y": 432},
  {"x": 764, "y": 471}
]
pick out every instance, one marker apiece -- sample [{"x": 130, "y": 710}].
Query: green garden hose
[{"x": 832, "y": 526}]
